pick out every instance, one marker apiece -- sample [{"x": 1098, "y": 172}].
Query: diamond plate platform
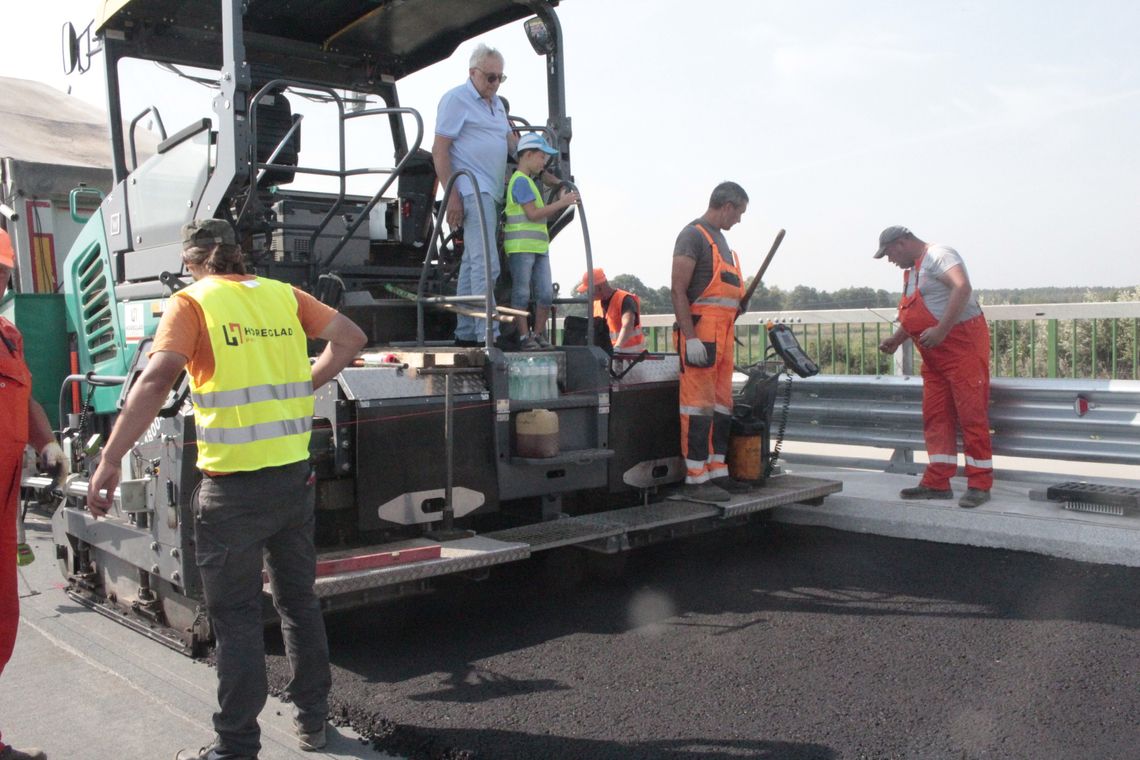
[
  {"x": 781, "y": 490},
  {"x": 511, "y": 544},
  {"x": 555, "y": 533},
  {"x": 455, "y": 556}
]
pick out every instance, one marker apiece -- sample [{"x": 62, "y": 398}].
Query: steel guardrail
[{"x": 1062, "y": 419}]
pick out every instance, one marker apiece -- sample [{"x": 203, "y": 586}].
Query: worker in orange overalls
[
  {"x": 939, "y": 312},
  {"x": 621, "y": 310},
  {"x": 706, "y": 290},
  {"x": 22, "y": 419}
]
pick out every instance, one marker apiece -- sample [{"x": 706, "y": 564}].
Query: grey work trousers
[{"x": 240, "y": 521}]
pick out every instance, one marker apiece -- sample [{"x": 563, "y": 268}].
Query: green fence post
[{"x": 1051, "y": 348}]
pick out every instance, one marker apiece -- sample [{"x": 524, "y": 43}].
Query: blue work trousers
[{"x": 473, "y": 270}]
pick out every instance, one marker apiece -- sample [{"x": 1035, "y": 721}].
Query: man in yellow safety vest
[{"x": 242, "y": 341}]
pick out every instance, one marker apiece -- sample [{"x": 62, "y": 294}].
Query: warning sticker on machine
[{"x": 134, "y": 323}]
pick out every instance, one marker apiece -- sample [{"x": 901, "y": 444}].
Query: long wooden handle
[{"x": 763, "y": 268}]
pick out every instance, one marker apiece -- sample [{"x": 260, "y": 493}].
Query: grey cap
[
  {"x": 206, "y": 233},
  {"x": 888, "y": 236}
]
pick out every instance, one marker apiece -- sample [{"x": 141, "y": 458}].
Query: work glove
[
  {"x": 696, "y": 354},
  {"x": 54, "y": 463}
]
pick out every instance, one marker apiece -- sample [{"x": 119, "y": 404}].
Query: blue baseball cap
[{"x": 535, "y": 141}]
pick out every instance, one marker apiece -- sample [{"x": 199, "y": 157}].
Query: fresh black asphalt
[{"x": 771, "y": 641}]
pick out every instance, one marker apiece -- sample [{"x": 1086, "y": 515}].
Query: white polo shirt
[{"x": 478, "y": 132}]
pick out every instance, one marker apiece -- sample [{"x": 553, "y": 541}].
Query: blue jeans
[
  {"x": 241, "y": 521},
  {"x": 472, "y": 269},
  {"x": 530, "y": 274}
]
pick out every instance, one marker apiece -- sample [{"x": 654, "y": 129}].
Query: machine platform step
[
  {"x": 784, "y": 489},
  {"x": 780, "y": 490},
  {"x": 474, "y": 553},
  {"x": 421, "y": 559}
]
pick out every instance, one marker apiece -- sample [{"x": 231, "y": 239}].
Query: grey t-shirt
[
  {"x": 693, "y": 244},
  {"x": 938, "y": 260}
]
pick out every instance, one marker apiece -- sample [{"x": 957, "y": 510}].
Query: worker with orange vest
[
  {"x": 706, "y": 290},
  {"x": 22, "y": 420},
  {"x": 242, "y": 342},
  {"x": 621, "y": 310}
]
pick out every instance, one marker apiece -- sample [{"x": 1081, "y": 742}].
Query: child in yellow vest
[{"x": 526, "y": 241}]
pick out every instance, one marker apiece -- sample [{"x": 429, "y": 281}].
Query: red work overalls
[
  {"x": 706, "y": 392},
  {"x": 15, "y": 391},
  {"x": 955, "y": 392}
]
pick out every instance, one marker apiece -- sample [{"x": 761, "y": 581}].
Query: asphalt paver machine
[{"x": 416, "y": 448}]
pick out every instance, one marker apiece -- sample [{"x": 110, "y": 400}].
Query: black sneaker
[
  {"x": 468, "y": 343},
  {"x": 974, "y": 497},
  {"x": 922, "y": 492}
]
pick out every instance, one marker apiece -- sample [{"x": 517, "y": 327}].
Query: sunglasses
[{"x": 492, "y": 78}]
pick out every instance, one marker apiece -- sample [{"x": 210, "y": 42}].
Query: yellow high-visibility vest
[
  {"x": 520, "y": 235},
  {"x": 257, "y": 409}
]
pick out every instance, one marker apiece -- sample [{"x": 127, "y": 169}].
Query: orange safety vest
[
  {"x": 726, "y": 287},
  {"x": 636, "y": 340}
]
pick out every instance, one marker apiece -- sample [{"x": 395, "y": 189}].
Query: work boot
[
  {"x": 922, "y": 492},
  {"x": 974, "y": 497},
  {"x": 732, "y": 485},
  {"x": 704, "y": 492},
  {"x": 207, "y": 753},
  {"x": 30, "y": 753},
  {"x": 542, "y": 342},
  {"x": 311, "y": 741}
]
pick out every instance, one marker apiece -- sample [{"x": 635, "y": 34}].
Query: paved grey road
[{"x": 781, "y": 642}]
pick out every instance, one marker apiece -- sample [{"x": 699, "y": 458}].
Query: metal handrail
[
  {"x": 257, "y": 168},
  {"x": 433, "y": 251}
]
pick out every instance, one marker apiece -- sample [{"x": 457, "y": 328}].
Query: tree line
[{"x": 804, "y": 298}]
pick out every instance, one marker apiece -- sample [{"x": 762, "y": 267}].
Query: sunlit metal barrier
[{"x": 1070, "y": 420}]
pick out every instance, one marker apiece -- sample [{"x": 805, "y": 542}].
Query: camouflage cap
[{"x": 206, "y": 233}]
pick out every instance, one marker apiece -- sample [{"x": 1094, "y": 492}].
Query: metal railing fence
[{"x": 1069, "y": 340}]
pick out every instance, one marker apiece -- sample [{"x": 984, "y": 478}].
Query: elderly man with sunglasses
[{"x": 472, "y": 133}]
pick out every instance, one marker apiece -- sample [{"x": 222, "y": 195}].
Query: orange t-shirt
[{"x": 183, "y": 329}]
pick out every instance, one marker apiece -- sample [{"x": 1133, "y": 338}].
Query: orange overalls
[
  {"x": 635, "y": 343},
  {"x": 15, "y": 392},
  {"x": 955, "y": 392},
  {"x": 706, "y": 392}
]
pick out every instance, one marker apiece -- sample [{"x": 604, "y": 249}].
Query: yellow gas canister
[
  {"x": 745, "y": 460},
  {"x": 536, "y": 432}
]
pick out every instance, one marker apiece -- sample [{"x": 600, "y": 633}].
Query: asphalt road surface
[{"x": 771, "y": 642}]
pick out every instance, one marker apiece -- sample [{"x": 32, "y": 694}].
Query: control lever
[{"x": 784, "y": 342}]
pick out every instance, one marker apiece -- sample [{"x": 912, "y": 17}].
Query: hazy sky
[{"x": 1007, "y": 129}]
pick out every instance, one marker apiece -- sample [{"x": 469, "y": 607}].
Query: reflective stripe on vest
[
  {"x": 256, "y": 410},
  {"x": 520, "y": 234},
  {"x": 636, "y": 339},
  {"x": 725, "y": 288}
]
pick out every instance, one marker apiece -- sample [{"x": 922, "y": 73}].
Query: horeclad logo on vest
[{"x": 235, "y": 334}]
